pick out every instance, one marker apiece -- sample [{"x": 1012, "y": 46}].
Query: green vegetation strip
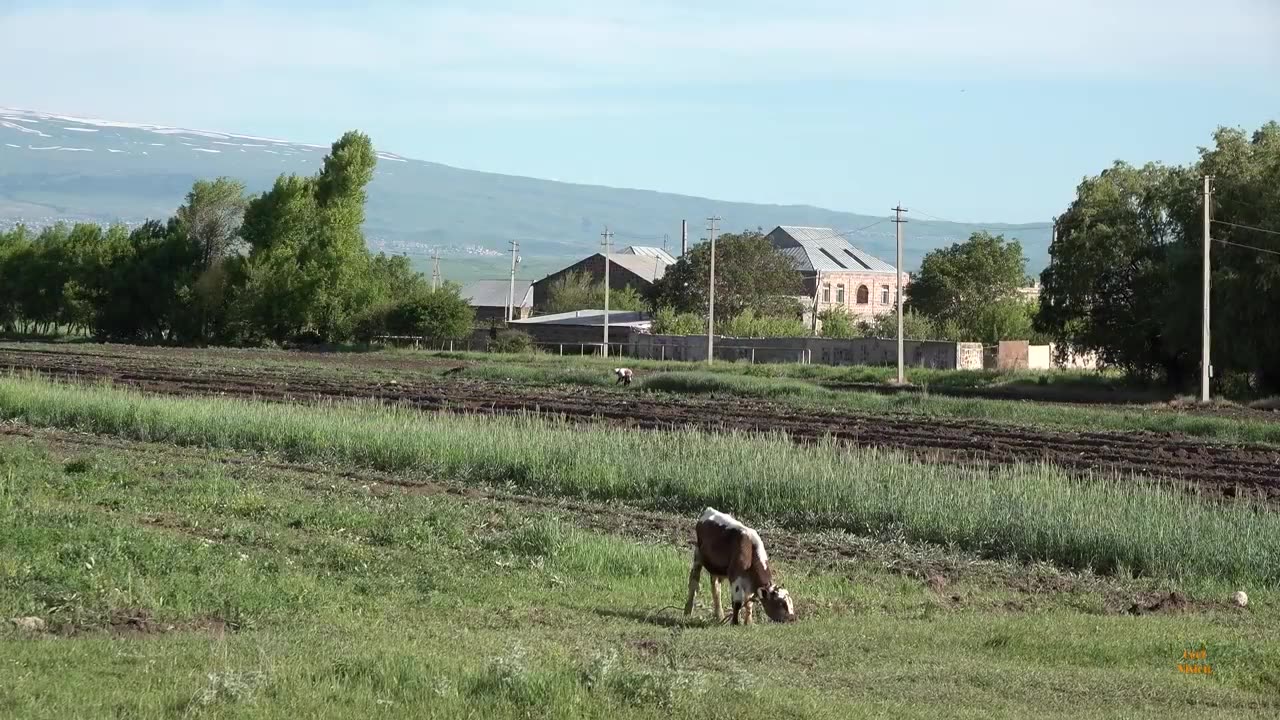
[{"x": 1026, "y": 512}]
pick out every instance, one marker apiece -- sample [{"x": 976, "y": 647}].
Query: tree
[
  {"x": 211, "y": 218},
  {"x": 748, "y": 324},
  {"x": 1108, "y": 277},
  {"x": 576, "y": 291},
  {"x": 15, "y": 253},
  {"x": 955, "y": 283},
  {"x": 915, "y": 326},
  {"x": 750, "y": 274},
  {"x": 441, "y": 314},
  {"x": 838, "y": 323},
  {"x": 309, "y": 272},
  {"x": 666, "y": 321}
]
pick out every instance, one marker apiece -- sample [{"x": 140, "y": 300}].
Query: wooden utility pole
[
  {"x": 898, "y": 222},
  {"x": 511, "y": 292},
  {"x": 1205, "y": 368},
  {"x": 711, "y": 289},
  {"x": 606, "y": 239}
]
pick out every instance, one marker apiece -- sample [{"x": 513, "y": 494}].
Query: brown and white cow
[{"x": 734, "y": 552}]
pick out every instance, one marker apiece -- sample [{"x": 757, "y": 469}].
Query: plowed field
[{"x": 1214, "y": 468}]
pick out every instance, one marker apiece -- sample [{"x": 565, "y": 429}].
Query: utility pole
[
  {"x": 511, "y": 292},
  {"x": 898, "y": 221},
  {"x": 817, "y": 288},
  {"x": 1204, "y": 319},
  {"x": 711, "y": 288},
  {"x": 664, "y": 242},
  {"x": 605, "y": 241},
  {"x": 435, "y": 269}
]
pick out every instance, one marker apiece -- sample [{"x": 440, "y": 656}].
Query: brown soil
[{"x": 1213, "y": 469}]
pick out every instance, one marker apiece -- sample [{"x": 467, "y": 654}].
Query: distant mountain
[{"x": 55, "y": 167}]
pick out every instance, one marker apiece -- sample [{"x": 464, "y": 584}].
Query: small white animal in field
[
  {"x": 624, "y": 375},
  {"x": 1240, "y": 599}
]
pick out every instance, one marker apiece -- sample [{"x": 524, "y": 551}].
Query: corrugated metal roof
[
  {"x": 657, "y": 252},
  {"x": 649, "y": 267},
  {"x": 494, "y": 293},
  {"x": 825, "y": 250}
]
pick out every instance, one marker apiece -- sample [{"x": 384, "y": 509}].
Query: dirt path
[{"x": 1214, "y": 468}]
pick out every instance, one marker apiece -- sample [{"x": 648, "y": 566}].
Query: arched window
[{"x": 864, "y": 295}]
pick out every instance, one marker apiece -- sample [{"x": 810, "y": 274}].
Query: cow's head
[{"x": 777, "y": 603}]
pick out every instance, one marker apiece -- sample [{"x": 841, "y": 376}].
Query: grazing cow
[
  {"x": 624, "y": 375},
  {"x": 732, "y": 551}
]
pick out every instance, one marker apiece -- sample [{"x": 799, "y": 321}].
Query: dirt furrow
[{"x": 1224, "y": 469}]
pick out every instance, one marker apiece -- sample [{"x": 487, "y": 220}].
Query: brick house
[
  {"x": 633, "y": 267},
  {"x": 837, "y": 273}
]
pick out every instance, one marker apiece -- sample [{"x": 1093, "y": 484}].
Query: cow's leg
[
  {"x": 695, "y": 575},
  {"x": 715, "y": 598},
  {"x": 739, "y": 599},
  {"x": 746, "y": 611}
]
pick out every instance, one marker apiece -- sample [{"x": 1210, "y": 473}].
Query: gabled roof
[
  {"x": 495, "y": 293},
  {"x": 824, "y": 250},
  {"x": 657, "y": 252},
  {"x": 649, "y": 267}
]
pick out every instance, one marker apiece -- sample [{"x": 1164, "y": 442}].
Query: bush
[
  {"x": 668, "y": 322},
  {"x": 838, "y": 323},
  {"x": 748, "y": 324},
  {"x": 511, "y": 341}
]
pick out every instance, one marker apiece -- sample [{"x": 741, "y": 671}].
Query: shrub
[{"x": 511, "y": 341}]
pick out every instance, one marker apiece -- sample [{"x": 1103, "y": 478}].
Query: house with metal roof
[
  {"x": 838, "y": 274},
  {"x": 489, "y": 298},
  {"x": 646, "y": 251},
  {"x": 634, "y": 267}
]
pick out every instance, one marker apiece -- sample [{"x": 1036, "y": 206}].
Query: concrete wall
[
  {"x": 857, "y": 351},
  {"x": 487, "y": 313},
  {"x": 1021, "y": 355}
]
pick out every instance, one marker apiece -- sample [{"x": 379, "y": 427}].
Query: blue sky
[{"x": 983, "y": 110}]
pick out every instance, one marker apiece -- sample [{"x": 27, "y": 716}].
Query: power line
[
  {"x": 1247, "y": 247},
  {"x": 847, "y": 233},
  {"x": 1247, "y": 227}
]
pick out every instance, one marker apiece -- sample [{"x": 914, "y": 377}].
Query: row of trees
[
  {"x": 1124, "y": 279},
  {"x": 290, "y": 264}
]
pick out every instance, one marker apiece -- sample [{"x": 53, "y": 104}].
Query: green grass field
[
  {"x": 217, "y": 584},
  {"x": 1111, "y": 525}
]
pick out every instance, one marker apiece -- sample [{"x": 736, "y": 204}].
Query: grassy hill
[{"x": 64, "y": 168}]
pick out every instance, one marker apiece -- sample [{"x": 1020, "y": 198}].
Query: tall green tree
[
  {"x": 957, "y": 282},
  {"x": 750, "y": 274},
  {"x": 309, "y": 271},
  {"x": 1108, "y": 279}
]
